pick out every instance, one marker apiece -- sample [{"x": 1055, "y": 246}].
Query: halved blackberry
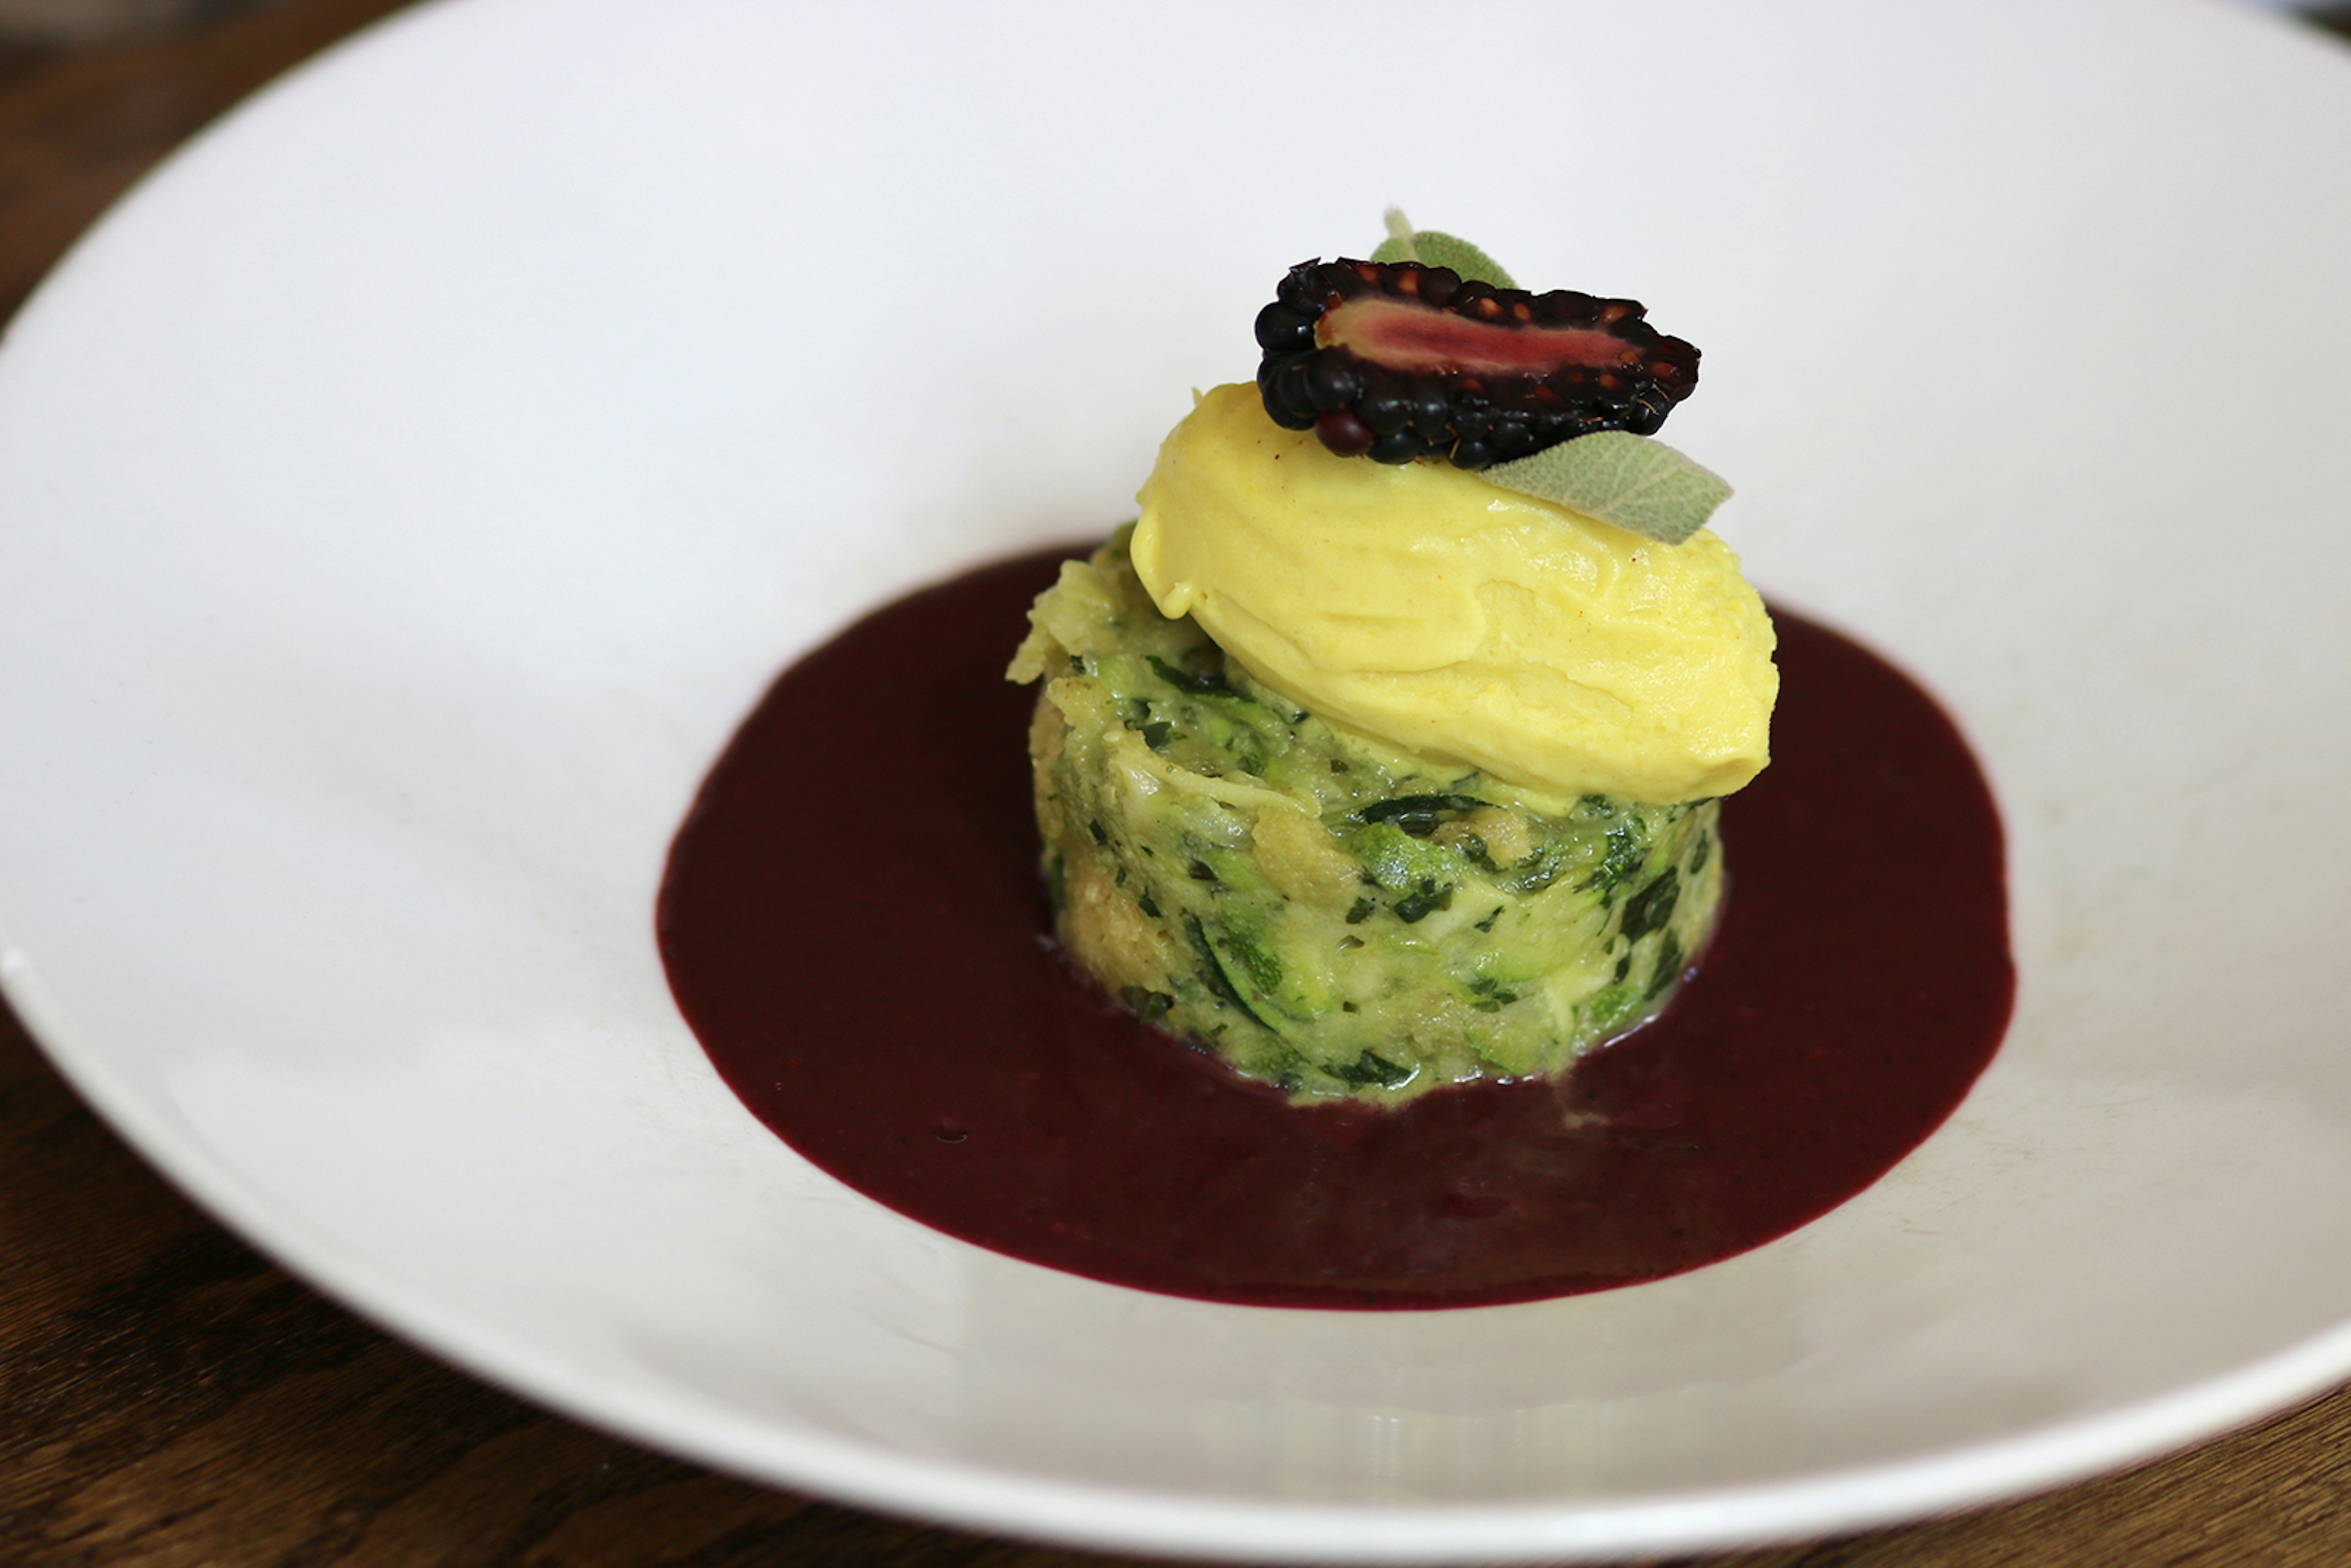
[{"x": 1396, "y": 361}]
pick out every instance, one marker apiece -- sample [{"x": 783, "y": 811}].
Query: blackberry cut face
[{"x": 1395, "y": 361}]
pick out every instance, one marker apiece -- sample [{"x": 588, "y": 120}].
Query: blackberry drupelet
[{"x": 1397, "y": 361}]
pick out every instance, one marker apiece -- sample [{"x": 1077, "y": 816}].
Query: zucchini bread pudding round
[{"x": 1323, "y": 912}]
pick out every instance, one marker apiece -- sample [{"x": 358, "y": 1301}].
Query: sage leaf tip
[{"x": 1398, "y": 246}]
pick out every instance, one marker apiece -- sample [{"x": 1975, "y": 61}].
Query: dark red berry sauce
[{"x": 853, "y": 924}]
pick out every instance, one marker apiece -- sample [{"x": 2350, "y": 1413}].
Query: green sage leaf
[
  {"x": 1430, "y": 248},
  {"x": 1632, "y": 481}
]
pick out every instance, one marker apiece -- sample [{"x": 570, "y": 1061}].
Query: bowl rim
[{"x": 1107, "y": 1517}]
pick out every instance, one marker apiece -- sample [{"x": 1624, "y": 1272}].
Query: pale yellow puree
[{"x": 1462, "y": 621}]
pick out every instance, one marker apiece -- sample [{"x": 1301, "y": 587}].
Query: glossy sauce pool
[{"x": 854, "y": 926}]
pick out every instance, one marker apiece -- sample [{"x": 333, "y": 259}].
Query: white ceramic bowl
[{"x": 402, "y": 494}]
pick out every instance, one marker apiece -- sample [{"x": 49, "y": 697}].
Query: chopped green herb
[
  {"x": 1669, "y": 967},
  {"x": 1373, "y": 1068},
  {"x": 1627, "y": 848},
  {"x": 1417, "y": 814},
  {"x": 1490, "y": 995},
  {"x": 1416, "y": 906},
  {"x": 1543, "y": 868},
  {"x": 1208, "y": 684},
  {"x": 1147, "y": 1005},
  {"x": 1649, "y": 909}
]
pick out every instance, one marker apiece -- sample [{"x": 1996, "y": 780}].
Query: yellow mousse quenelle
[{"x": 1461, "y": 621}]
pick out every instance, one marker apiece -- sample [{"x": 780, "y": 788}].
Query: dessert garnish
[{"x": 1426, "y": 350}]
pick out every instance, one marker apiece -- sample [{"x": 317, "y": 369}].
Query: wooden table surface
[{"x": 168, "y": 1397}]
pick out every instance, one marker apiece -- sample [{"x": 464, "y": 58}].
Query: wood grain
[{"x": 168, "y": 1398}]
